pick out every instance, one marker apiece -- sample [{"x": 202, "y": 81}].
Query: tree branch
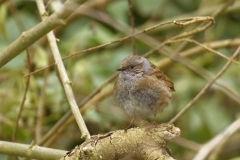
[
  {"x": 135, "y": 143},
  {"x": 27, "y": 38},
  {"x": 30, "y": 151},
  {"x": 63, "y": 75}
]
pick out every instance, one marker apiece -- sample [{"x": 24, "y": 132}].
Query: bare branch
[
  {"x": 23, "y": 99},
  {"x": 63, "y": 75},
  {"x": 30, "y": 151}
]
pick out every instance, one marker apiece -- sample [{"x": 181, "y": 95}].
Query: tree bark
[{"x": 136, "y": 143}]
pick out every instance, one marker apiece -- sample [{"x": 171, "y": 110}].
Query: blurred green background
[{"x": 210, "y": 115}]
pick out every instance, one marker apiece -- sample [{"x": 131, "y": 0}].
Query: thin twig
[
  {"x": 40, "y": 112},
  {"x": 194, "y": 20},
  {"x": 23, "y": 99},
  {"x": 130, "y": 6},
  {"x": 63, "y": 75},
  {"x": 207, "y": 86},
  {"x": 204, "y": 46},
  {"x": 214, "y": 11}
]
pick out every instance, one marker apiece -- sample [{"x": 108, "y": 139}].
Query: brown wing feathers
[{"x": 161, "y": 76}]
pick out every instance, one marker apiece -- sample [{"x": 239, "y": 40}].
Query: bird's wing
[{"x": 161, "y": 76}]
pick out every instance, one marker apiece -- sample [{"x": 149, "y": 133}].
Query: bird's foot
[{"x": 131, "y": 125}]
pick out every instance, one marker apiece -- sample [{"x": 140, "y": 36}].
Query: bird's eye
[{"x": 131, "y": 67}]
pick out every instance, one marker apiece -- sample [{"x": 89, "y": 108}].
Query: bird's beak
[{"x": 121, "y": 69}]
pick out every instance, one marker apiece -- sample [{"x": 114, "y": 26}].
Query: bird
[{"x": 141, "y": 88}]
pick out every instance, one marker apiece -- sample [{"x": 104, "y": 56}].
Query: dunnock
[{"x": 142, "y": 89}]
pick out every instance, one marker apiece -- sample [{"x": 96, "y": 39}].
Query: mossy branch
[{"x": 135, "y": 143}]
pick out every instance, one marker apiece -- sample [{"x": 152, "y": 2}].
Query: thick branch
[
  {"x": 136, "y": 143},
  {"x": 29, "y": 37}
]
